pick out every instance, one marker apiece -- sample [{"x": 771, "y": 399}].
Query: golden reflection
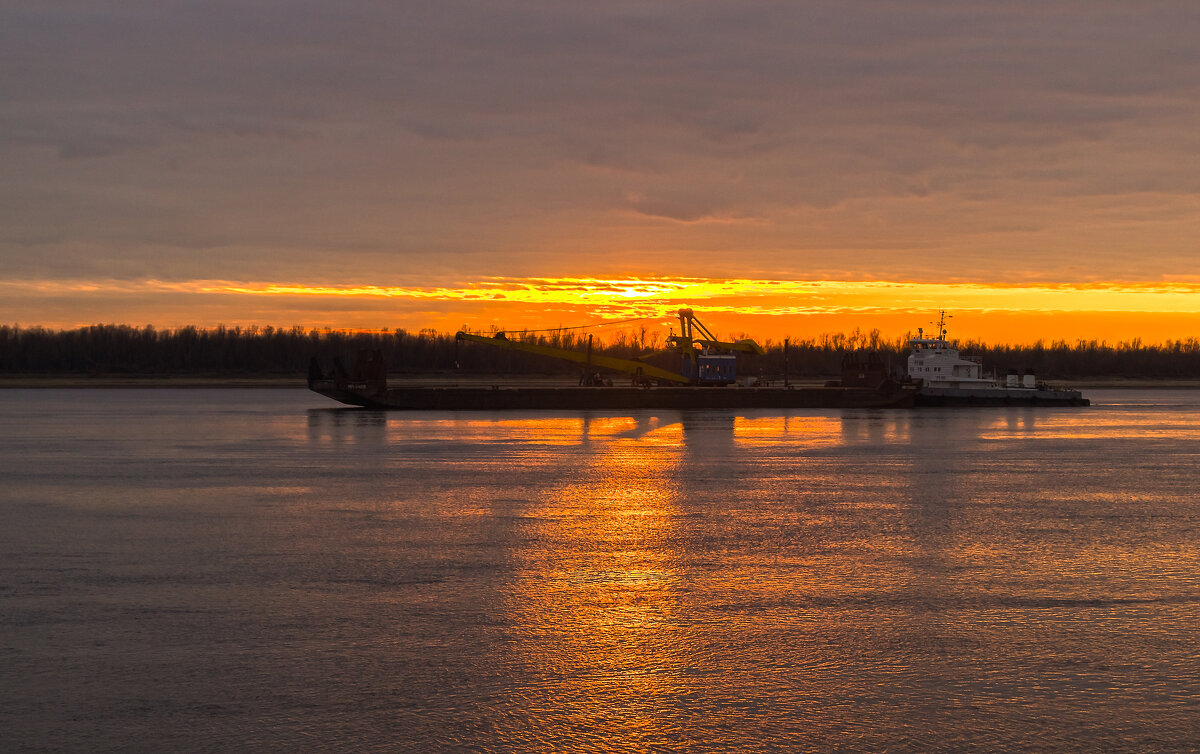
[
  {"x": 541, "y": 431},
  {"x": 1051, "y": 425},
  {"x": 598, "y": 586},
  {"x": 821, "y": 430},
  {"x": 664, "y": 569},
  {"x": 770, "y": 430}
]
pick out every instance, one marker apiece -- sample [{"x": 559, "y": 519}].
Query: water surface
[{"x": 229, "y": 569}]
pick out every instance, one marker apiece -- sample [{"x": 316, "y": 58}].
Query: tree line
[{"x": 269, "y": 351}]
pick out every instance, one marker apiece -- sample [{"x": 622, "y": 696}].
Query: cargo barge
[
  {"x": 695, "y": 371},
  {"x": 609, "y": 398}
]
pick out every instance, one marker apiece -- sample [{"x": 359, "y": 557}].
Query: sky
[{"x": 783, "y": 168}]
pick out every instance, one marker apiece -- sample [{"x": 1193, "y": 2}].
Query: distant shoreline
[{"x": 26, "y": 381}]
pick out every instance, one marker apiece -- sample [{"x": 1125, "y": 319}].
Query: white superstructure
[
  {"x": 945, "y": 378},
  {"x": 937, "y": 363}
]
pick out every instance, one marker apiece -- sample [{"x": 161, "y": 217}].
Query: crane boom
[
  {"x": 704, "y": 359},
  {"x": 691, "y": 327},
  {"x": 628, "y": 366}
]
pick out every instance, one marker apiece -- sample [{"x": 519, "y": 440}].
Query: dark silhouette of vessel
[{"x": 706, "y": 378}]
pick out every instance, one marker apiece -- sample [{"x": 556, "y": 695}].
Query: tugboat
[{"x": 943, "y": 378}]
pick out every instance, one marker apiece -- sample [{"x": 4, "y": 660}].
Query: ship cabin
[
  {"x": 936, "y": 361},
  {"x": 710, "y": 368}
]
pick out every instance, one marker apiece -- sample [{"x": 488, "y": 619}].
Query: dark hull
[
  {"x": 612, "y": 398},
  {"x": 999, "y": 397}
]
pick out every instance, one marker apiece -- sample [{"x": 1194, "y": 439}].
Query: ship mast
[{"x": 941, "y": 324}]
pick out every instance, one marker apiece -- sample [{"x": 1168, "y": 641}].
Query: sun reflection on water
[
  {"x": 596, "y": 587},
  {"x": 1000, "y": 580},
  {"x": 670, "y": 579}
]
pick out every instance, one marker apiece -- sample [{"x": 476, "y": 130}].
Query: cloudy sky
[{"x": 387, "y": 163}]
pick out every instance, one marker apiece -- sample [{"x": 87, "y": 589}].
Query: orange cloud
[{"x": 765, "y": 308}]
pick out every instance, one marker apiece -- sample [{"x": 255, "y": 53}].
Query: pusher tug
[{"x": 944, "y": 378}]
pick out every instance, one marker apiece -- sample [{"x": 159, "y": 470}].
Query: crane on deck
[{"x": 704, "y": 360}]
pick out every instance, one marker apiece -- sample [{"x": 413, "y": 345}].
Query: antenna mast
[{"x": 941, "y": 323}]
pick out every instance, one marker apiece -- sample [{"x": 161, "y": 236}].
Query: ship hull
[
  {"x": 934, "y": 396},
  {"x": 612, "y": 398}
]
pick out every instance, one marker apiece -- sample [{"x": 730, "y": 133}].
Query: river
[{"x": 199, "y": 570}]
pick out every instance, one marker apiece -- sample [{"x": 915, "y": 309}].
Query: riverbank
[
  {"x": 1120, "y": 383},
  {"x": 26, "y": 381}
]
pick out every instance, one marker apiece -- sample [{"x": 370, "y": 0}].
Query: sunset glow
[{"x": 766, "y": 309}]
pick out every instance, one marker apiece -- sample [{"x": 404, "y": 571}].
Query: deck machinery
[{"x": 703, "y": 359}]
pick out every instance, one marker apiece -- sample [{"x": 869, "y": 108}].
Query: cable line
[{"x": 584, "y": 327}]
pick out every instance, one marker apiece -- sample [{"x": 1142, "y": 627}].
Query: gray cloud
[{"x": 288, "y": 138}]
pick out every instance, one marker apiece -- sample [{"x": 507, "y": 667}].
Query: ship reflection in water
[
  {"x": 936, "y": 580},
  {"x": 192, "y": 570}
]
